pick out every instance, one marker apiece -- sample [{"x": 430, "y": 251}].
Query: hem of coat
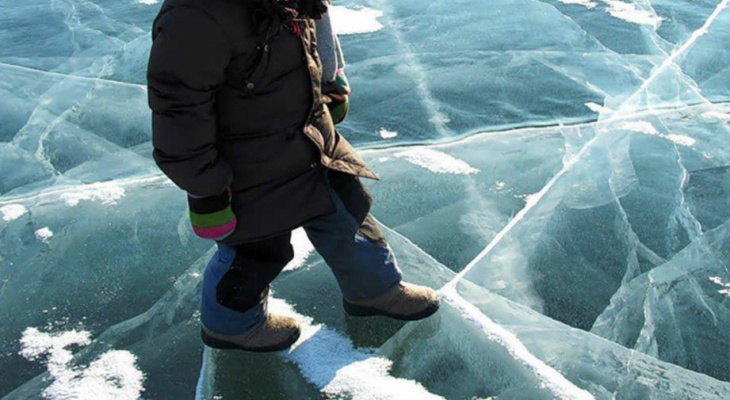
[{"x": 332, "y": 210}]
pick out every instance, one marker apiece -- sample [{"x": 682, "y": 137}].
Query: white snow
[
  {"x": 717, "y": 115},
  {"x": 597, "y": 108},
  {"x": 725, "y": 291},
  {"x": 302, "y": 249},
  {"x": 584, "y": 3},
  {"x": 12, "y": 212},
  {"x": 436, "y": 161},
  {"x": 44, "y": 234},
  {"x": 639, "y": 127},
  {"x": 106, "y": 193},
  {"x": 113, "y": 376},
  {"x": 386, "y": 134},
  {"x": 346, "y": 21},
  {"x": 649, "y": 129},
  {"x": 629, "y": 12},
  {"x": 148, "y": 2},
  {"x": 329, "y": 361},
  {"x": 681, "y": 140}
]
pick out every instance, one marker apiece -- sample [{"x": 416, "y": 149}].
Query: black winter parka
[{"x": 238, "y": 107}]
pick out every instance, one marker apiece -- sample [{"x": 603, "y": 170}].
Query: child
[{"x": 240, "y": 123}]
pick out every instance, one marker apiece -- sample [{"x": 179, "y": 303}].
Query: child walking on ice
[{"x": 243, "y": 121}]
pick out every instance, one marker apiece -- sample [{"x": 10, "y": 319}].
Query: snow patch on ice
[
  {"x": 584, "y": 3},
  {"x": 346, "y": 21},
  {"x": 113, "y": 376},
  {"x": 725, "y": 291},
  {"x": 717, "y": 115},
  {"x": 44, "y": 234},
  {"x": 329, "y": 361},
  {"x": 597, "y": 108},
  {"x": 386, "y": 134},
  {"x": 148, "y": 2},
  {"x": 681, "y": 140},
  {"x": 649, "y": 129},
  {"x": 639, "y": 127},
  {"x": 12, "y": 212},
  {"x": 106, "y": 193},
  {"x": 302, "y": 249},
  {"x": 436, "y": 161},
  {"x": 629, "y": 12}
]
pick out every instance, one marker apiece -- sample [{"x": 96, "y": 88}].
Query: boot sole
[
  {"x": 359, "y": 311},
  {"x": 225, "y": 345}
]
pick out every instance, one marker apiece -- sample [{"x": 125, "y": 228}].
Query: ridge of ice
[
  {"x": 106, "y": 193},
  {"x": 551, "y": 379}
]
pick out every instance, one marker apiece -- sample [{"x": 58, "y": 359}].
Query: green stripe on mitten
[{"x": 212, "y": 217}]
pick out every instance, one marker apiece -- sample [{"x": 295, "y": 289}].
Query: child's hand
[
  {"x": 212, "y": 217},
  {"x": 341, "y": 84},
  {"x": 339, "y": 103}
]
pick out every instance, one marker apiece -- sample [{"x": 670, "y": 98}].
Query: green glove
[
  {"x": 341, "y": 84},
  {"x": 339, "y": 103}
]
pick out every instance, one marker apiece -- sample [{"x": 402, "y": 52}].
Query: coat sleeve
[{"x": 189, "y": 55}]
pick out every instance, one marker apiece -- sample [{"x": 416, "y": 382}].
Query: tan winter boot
[
  {"x": 273, "y": 334},
  {"x": 405, "y": 302}
]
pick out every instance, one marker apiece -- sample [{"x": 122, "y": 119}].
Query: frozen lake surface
[{"x": 560, "y": 170}]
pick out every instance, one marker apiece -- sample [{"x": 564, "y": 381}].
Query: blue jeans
[{"x": 236, "y": 280}]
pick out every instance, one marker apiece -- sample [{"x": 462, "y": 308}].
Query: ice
[
  {"x": 450, "y": 352},
  {"x": 558, "y": 169}
]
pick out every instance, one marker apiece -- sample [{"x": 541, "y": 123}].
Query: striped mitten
[{"x": 212, "y": 217}]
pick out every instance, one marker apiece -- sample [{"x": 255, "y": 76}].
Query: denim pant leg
[
  {"x": 364, "y": 269},
  {"x": 236, "y": 284}
]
